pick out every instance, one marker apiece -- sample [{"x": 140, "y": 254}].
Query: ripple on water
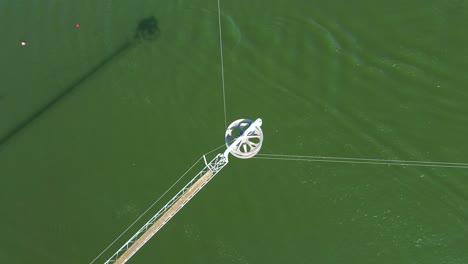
[
  {"x": 229, "y": 253},
  {"x": 192, "y": 232},
  {"x": 126, "y": 211}
]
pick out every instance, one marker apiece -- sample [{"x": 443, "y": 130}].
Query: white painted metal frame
[{"x": 214, "y": 166}]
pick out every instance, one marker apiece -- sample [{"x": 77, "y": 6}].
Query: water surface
[{"x": 361, "y": 79}]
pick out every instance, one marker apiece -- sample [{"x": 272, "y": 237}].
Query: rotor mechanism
[{"x": 244, "y": 138}]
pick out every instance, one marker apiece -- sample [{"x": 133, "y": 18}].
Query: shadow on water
[{"x": 146, "y": 30}]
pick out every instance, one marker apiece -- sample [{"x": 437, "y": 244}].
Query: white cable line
[
  {"x": 366, "y": 159},
  {"x": 225, "y": 125},
  {"x": 222, "y": 61},
  {"x": 324, "y": 158},
  {"x": 357, "y": 161},
  {"x": 151, "y": 206}
]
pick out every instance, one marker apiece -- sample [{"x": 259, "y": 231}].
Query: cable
[
  {"x": 144, "y": 213},
  {"x": 222, "y": 62},
  {"x": 364, "y": 161},
  {"x": 152, "y": 205}
]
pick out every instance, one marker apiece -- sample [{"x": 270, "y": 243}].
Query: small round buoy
[
  {"x": 77, "y": 25},
  {"x": 23, "y": 43}
]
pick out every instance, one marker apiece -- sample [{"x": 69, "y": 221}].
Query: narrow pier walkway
[{"x": 197, "y": 186}]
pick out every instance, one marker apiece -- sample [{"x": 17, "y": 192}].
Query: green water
[{"x": 361, "y": 79}]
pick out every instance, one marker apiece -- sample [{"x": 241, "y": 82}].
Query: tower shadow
[{"x": 146, "y": 30}]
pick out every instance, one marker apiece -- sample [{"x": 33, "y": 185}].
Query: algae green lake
[{"x": 95, "y": 125}]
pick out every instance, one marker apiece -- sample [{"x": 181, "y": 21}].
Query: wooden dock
[{"x": 197, "y": 186}]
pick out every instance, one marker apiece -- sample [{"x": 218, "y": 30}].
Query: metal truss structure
[{"x": 148, "y": 230}]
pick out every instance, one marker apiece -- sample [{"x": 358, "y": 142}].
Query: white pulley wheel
[{"x": 250, "y": 144}]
